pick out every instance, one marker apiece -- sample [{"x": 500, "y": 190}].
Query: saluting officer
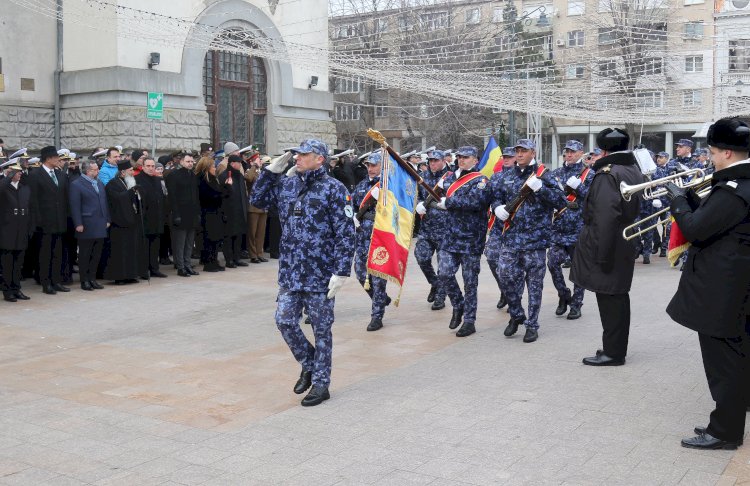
[
  {"x": 467, "y": 197},
  {"x": 433, "y": 228},
  {"x": 364, "y": 197},
  {"x": 494, "y": 240},
  {"x": 524, "y": 245},
  {"x": 317, "y": 245},
  {"x": 574, "y": 177}
]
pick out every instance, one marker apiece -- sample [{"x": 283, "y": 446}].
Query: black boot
[
  {"x": 663, "y": 252},
  {"x": 317, "y": 395},
  {"x": 466, "y": 330},
  {"x": 304, "y": 382},
  {"x": 575, "y": 313},
  {"x": 438, "y": 304},
  {"x": 513, "y": 326},
  {"x": 531, "y": 335},
  {"x": 646, "y": 259},
  {"x": 502, "y": 302},
  {"x": 458, "y": 314},
  {"x": 431, "y": 295},
  {"x": 375, "y": 324},
  {"x": 562, "y": 305}
]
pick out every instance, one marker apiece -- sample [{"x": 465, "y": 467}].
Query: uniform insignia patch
[
  {"x": 732, "y": 184},
  {"x": 481, "y": 185},
  {"x": 348, "y": 211}
]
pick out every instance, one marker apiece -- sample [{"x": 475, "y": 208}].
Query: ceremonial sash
[
  {"x": 461, "y": 182},
  {"x": 368, "y": 196},
  {"x": 539, "y": 172}
]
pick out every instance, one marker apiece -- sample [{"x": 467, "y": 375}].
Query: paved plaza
[{"x": 187, "y": 381}]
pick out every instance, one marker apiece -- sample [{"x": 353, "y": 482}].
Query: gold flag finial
[{"x": 377, "y": 136}]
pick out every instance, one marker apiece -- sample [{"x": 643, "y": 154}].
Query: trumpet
[{"x": 628, "y": 190}]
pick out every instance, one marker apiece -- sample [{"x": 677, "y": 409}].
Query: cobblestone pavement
[{"x": 186, "y": 381}]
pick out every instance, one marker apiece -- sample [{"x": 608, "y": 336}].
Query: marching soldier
[
  {"x": 494, "y": 240},
  {"x": 17, "y": 226},
  {"x": 365, "y": 197},
  {"x": 575, "y": 178},
  {"x": 467, "y": 197},
  {"x": 524, "y": 204},
  {"x": 683, "y": 149},
  {"x": 433, "y": 229}
]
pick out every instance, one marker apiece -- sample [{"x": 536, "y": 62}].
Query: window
[
  {"x": 379, "y": 84},
  {"x": 607, "y": 35},
  {"x": 574, "y": 71},
  {"x": 473, "y": 15},
  {"x": 649, "y": 99},
  {"x": 650, "y": 66},
  {"x": 434, "y": 20},
  {"x": 694, "y": 30},
  {"x": 404, "y": 24},
  {"x": 739, "y": 55},
  {"x": 693, "y": 64},
  {"x": 576, "y": 7},
  {"x": 575, "y": 38},
  {"x": 692, "y": 97},
  {"x": 233, "y": 67},
  {"x": 607, "y": 68},
  {"x": 604, "y": 103},
  {"x": 497, "y": 15},
  {"x": 381, "y": 111},
  {"x": 347, "y": 85},
  {"x": 604, "y": 6},
  {"x": 347, "y": 112},
  {"x": 381, "y": 26},
  {"x": 505, "y": 42},
  {"x": 208, "y": 78},
  {"x": 344, "y": 31}
]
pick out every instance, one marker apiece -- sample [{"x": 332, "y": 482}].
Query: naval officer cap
[
  {"x": 729, "y": 134},
  {"x": 467, "y": 151},
  {"x": 574, "y": 145},
  {"x": 525, "y": 143}
]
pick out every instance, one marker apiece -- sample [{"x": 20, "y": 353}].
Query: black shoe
[
  {"x": 466, "y": 330},
  {"x": 144, "y": 277},
  {"x": 304, "y": 382},
  {"x": 565, "y": 264},
  {"x": 375, "y": 324},
  {"x": 21, "y": 296},
  {"x": 575, "y": 313},
  {"x": 458, "y": 314},
  {"x": 87, "y": 286},
  {"x": 317, "y": 395},
  {"x": 663, "y": 252},
  {"x": 60, "y": 288},
  {"x": 183, "y": 273},
  {"x": 158, "y": 274},
  {"x": 96, "y": 285},
  {"x": 255, "y": 260},
  {"x": 502, "y": 302},
  {"x": 10, "y": 298},
  {"x": 262, "y": 260},
  {"x": 513, "y": 324},
  {"x": 654, "y": 250},
  {"x": 646, "y": 259},
  {"x": 431, "y": 295},
  {"x": 211, "y": 267},
  {"x": 562, "y": 305},
  {"x": 708, "y": 441},
  {"x": 438, "y": 305},
  {"x": 231, "y": 265},
  {"x": 165, "y": 261},
  {"x": 387, "y": 301},
  {"x": 49, "y": 289},
  {"x": 191, "y": 271},
  {"x": 240, "y": 263},
  {"x": 275, "y": 256},
  {"x": 702, "y": 430},
  {"x": 602, "y": 359},
  {"x": 244, "y": 254},
  {"x": 531, "y": 335}
]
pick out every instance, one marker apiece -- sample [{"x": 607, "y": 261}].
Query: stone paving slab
[{"x": 186, "y": 381}]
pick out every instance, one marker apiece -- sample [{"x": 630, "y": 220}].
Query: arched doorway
[{"x": 234, "y": 89}]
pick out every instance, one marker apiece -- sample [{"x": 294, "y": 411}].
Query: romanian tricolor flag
[
  {"x": 394, "y": 222},
  {"x": 677, "y": 244},
  {"x": 492, "y": 154}
]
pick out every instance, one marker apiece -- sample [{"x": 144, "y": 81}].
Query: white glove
[
  {"x": 657, "y": 204},
  {"x": 441, "y": 204},
  {"x": 501, "y": 213},
  {"x": 356, "y": 222},
  {"x": 335, "y": 284},
  {"x": 534, "y": 183},
  {"x": 292, "y": 171},
  {"x": 440, "y": 183},
  {"x": 421, "y": 210},
  {"x": 278, "y": 164},
  {"x": 573, "y": 182},
  {"x": 375, "y": 192}
]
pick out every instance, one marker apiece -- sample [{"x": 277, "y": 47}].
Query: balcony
[{"x": 734, "y": 77}]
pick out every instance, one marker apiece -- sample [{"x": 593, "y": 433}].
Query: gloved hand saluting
[
  {"x": 278, "y": 164},
  {"x": 421, "y": 210},
  {"x": 335, "y": 284},
  {"x": 534, "y": 183}
]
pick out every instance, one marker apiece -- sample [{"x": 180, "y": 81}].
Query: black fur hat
[
  {"x": 613, "y": 139},
  {"x": 729, "y": 134}
]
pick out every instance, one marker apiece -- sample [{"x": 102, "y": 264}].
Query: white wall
[{"x": 89, "y": 37}]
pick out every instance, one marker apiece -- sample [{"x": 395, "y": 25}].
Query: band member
[
  {"x": 712, "y": 296},
  {"x": 15, "y": 219},
  {"x": 604, "y": 261},
  {"x": 364, "y": 197},
  {"x": 524, "y": 204},
  {"x": 317, "y": 246},
  {"x": 432, "y": 229},
  {"x": 467, "y": 196},
  {"x": 575, "y": 178}
]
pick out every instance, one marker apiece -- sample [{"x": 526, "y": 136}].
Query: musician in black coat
[
  {"x": 153, "y": 202},
  {"x": 16, "y": 224},
  {"x": 49, "y": 207},
  {"x": 713, "y": 297},
  {"x": 604, "y": 261}
]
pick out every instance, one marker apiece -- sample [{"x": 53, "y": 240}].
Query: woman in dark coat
[
  {"x": 235, "y": 210},
  {"x": 211, "y": 194}
]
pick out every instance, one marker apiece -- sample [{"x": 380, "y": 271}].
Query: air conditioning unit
[{"x": 560, "y": 42}]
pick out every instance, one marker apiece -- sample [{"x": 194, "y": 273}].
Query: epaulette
[{"x": 606, "y": 169}]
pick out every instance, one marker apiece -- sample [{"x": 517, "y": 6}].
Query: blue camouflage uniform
[
  {"x": 317, "y": 241},
  {"x": 377, "y": 290},
  {"x": 567, "y": 226},
  {"x": 665, "y": 170},
  {"x": 524, "y": 246},
  {"x": 466, "y": 216},
  {"x": 432, "y": 231},
  {"x": 494, "y": 238}
]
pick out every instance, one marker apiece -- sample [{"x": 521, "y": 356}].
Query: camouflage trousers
[
  {"x": 492, "y": 253},
  {"x": 556, "y": 256},
  {"x": 516, "y": 268},
  {"x": 319, "y": 308},
  {"x": 423, "y": 251},
  {"x": 377, "y": 285},
  {"x": 448, "y": 263}
]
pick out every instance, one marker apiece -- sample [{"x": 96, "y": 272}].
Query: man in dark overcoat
[{"x": 17, "y": 225}]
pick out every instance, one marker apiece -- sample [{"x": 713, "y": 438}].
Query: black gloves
[{"x": 673, "y": 191}]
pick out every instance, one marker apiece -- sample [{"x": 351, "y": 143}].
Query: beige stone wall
[
  {"x": 28, "y": 127},
  {"x": 291, "y": 131}
]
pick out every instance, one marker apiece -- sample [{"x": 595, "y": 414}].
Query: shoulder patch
[
  {"x": 606, "y": 169},
  {"x": 348, "y": 211},
  {"x": 732, "y": 184}
]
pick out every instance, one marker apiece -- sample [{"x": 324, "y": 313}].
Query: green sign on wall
[{"x": 155, "y": 106}]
